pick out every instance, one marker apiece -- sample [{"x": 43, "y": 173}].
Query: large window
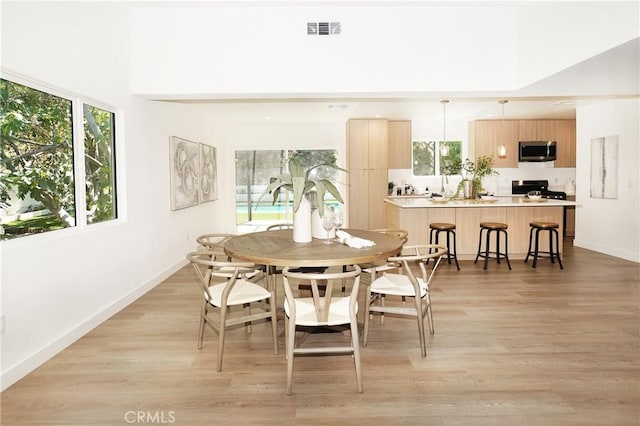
[
  {"x": 39, "y": 177},
  {"x": 253, "y": 171},
  {"x": 436, "y": 158}
]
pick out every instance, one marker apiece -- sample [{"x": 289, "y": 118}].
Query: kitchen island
[{"x": 415, "y": 213}]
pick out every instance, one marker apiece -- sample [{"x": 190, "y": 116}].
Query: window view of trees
[
  {"x": 428, "y": 158},
  {"x": 37, "y": 149},
  {"x": 254, "y": 169},
  {"x": 99, "y": 164}
]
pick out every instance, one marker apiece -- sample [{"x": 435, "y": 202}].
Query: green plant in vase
[
  {"x": 474, "y": 172},
  {"x": 302, "y": 182}
]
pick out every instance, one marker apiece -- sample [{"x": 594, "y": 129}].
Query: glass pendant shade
[
  {"x": 444, "y": 148},
  {"x": 502, "y": 148}
]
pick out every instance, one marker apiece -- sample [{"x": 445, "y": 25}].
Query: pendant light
[
  {"x": 444, "y": 148},
  {"x": 502, "y": 149}
]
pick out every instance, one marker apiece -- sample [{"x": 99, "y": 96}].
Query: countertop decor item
[
  {"x": 302, "y": 183},
  {"x": 473, "y": 172}
]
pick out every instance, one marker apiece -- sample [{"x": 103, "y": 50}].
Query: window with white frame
[{"x": 41, "y": 184}]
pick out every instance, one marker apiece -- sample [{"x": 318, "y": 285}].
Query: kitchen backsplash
[{"x": 501, "y": 184}]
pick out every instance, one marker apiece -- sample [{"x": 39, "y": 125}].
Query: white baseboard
[
  {"x": 21, "y": 369},
  {"x": 611, "y": 251}
]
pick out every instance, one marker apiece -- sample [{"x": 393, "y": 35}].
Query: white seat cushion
[
  {"x": 243, "y": 292},
  {"x": 306, "y": 312},
  {"x": 397, "y": 285}
]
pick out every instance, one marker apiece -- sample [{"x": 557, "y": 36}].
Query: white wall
[
  {"x": 554, "y": 35},
  {"x": 253, "y": 51},
  {"x": 603, "y": 225},
  {"x": 257, "y": 50},
  {"x": 57, "y": 286}
]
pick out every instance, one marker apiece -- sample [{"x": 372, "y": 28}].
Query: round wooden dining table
[{"x": 277, "y": 248}]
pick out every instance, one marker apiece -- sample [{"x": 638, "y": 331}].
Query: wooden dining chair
[
  {"x": 406, "y": 285},
  {"x": 214, "y": 243},
  {"x": 374, "y": 269},
  {"x": 230, "y": 293},
  {"x": 321, "y": 311}
]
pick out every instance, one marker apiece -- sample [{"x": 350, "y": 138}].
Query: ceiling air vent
[{"x": 323, "y": 28}]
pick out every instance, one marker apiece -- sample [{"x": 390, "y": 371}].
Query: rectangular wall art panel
[
  {"x": 208, "y": 170},
  {"x": 604, "y": 167},
  {"x": 185, "y": 167}
]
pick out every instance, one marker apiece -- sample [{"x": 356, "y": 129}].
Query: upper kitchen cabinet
[
  {"x": 565, "y": 136},
  {"x": 367, "y": 162},
  {"x": 561, "y": 131},
  {"x": 545, "y": 130},
  {"x": 528, "y": 130},
  {"x": 399, "y": 144},
  {"x": 487, "y": 136}
]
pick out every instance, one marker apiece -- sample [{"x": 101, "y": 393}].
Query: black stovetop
[{"x": 524, "y": 186}]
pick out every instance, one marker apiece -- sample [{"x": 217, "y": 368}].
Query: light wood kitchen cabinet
[
  {"x": 399, "y": 144},
  {"x": 545, "y": 130},
  {"x": 565, "y": 136},
  {"x": 527, "y": 130},
  {"x": 488, "y": 136},
  {"x": 485, "y": 137},
  {"x": 367, "y": 162}
]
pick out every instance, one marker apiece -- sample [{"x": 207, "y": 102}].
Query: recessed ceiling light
[{"x": 266, "y": 117}]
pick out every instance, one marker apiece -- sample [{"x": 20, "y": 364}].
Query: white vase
[{"x": 302, "y": 222}]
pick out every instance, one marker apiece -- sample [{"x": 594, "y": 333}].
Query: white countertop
[{"x": 421, "y": 201}]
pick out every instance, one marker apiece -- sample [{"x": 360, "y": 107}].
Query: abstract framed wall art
[
  {"x": 185, "y": 167},
  {"x": 604, "y": 167},
  {"x": 208, "y": 169}
]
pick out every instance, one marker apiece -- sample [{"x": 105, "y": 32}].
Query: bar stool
[
  {"x": 450, "y": 230},
  {"x": 552, "y": 227},
  {"x": 497, "y": 228}
]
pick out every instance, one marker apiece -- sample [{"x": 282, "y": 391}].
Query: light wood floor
[{"x": 522, "y": 347}]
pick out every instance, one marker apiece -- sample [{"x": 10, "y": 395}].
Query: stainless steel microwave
[{"x": 536, "y": 151}]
